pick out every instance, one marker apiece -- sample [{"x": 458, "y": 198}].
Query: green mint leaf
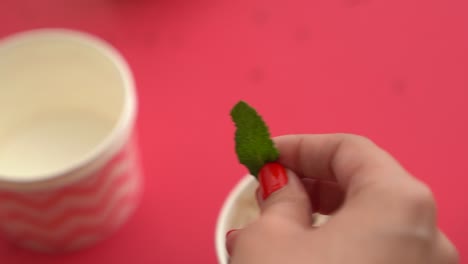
[{"x": 254, "y": 146}]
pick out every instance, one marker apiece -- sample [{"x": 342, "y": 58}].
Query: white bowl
[{"x": 239, "y": 209}]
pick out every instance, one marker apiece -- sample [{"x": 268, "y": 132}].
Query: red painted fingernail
[
  {"x": 272, "y": 177},
  {"x": 230, "y": 232}
]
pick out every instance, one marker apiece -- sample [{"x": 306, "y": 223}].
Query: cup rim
[
  {"x": 221, "y": 225},
  {"x": 126, "y": 117}
]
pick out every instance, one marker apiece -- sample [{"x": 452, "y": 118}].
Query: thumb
[{"x": 282, "y": 195}]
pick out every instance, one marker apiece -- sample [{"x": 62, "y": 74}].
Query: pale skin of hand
[{"x": 380, "y": 213}]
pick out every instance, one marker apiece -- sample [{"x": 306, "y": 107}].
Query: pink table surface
[{"x": 396, "y": 71}]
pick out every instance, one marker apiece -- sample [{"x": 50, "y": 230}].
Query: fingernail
[
  {"x": 272, "y": 177},
  {"x": 230, "y": 232}
]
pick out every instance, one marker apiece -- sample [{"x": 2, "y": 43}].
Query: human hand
[{"x": 380, "y": 213}]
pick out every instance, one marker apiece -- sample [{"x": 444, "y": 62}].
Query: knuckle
[
  {"x": 453, "y": 257},
  {"x": 420, "y": 198},
  {"x": 418, "y": 204},
  {"x": 356, "y": 139},
  {"x": 286, "y": 198},
  {"x": 351, "y": 156}
]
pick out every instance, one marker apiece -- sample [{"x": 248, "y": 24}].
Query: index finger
[{"x": 351, "y": 161}]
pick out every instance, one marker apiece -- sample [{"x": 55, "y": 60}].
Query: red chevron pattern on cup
[{"x": 77, "y": 215}]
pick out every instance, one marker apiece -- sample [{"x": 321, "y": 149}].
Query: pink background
[{"x": 396, "y": 71}]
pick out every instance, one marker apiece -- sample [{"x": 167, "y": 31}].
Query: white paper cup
[
  {"x": 69, "y": 173},
  {"x": 240, "y": 209}
]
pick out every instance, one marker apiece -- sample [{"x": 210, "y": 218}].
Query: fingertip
[
  {"x": 231, "y": 236},
  {"x": 282, "y": 194},
  {"x": 230, "y": 232}
]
